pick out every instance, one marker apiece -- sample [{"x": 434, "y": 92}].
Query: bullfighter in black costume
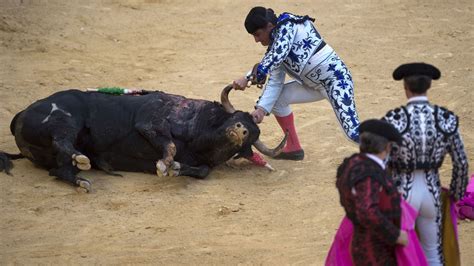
[{"x": 429, "y": 133}]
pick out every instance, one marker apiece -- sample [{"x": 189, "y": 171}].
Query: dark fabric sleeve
[
  {"x": 368, "y": 213},
  {"x": 460, "y": 166}
]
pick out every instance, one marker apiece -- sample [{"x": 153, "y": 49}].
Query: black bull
[{"x": 161, "y": 133}]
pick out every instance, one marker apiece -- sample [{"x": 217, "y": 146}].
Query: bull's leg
[
  {"x": 68, "y": 173},
  {"x": 70, "y": 162},
  {"x": 164, "y": 165},
  {"x": 63, "y": 129},
  {"x": 68, "y": 155},
  {"x": 179, "y": 169},
  {"x": 158, "y": 135}
]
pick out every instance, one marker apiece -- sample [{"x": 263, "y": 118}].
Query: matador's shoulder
[
  {"x": 399, "y": 118},
  {"x": 446, "y": 121},
  {"x": 360, "y": 168}
]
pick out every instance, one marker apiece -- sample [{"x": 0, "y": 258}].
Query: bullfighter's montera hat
[
  {"x": 381, "y": 128},
  {"x": 413, "y": 69}
]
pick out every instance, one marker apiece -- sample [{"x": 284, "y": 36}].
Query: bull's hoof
[
  {"x": 83, "y": 185},
  {"x": 174, "y": 169},
  {"x": 81, "y": 162},
  {"x": 203, "y": 172},
  {"x": 161, "y": 169}
]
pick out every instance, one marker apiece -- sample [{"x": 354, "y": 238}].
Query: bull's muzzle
[
  {"x": 237, "y": 133},
  {"x": 258, "y": 144}
]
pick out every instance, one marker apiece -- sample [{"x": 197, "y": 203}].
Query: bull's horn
[
  {"x": 225, "y": 99},
  {"x": 270, "y": 152}
]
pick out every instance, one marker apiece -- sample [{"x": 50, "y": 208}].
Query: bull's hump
[
  {"x": 188, "y": 108},
  {"x": 186, "y": 117}
]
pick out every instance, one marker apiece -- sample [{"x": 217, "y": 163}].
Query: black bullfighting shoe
[{"x": 291, "y": 155}]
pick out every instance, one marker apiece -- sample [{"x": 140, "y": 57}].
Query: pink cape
[
  {"x": 411, "y": 254},
  {"x": 465, "y": 207}
]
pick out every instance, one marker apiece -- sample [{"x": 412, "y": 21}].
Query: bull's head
[{"x": 239, "y": 132}]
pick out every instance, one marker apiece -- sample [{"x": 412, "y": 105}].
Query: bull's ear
[{"x": 245, "y": 152}]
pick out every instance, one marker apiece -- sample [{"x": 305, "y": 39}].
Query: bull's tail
[{"x": 5, "y": 161}]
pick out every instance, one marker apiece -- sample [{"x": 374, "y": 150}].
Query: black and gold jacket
[{"x": 429, "y": 133}]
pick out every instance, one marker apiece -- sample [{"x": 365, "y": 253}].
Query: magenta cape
[
  {"x": 411, "y": 254},
  {"x": 465, "y": 207}
]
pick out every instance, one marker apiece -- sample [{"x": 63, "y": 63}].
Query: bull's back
[
  {"x": 79, "y": 107},
  {"x": 98, "y": 111}
]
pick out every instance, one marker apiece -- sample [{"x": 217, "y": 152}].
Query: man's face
[{"x": 263, "y": 35}]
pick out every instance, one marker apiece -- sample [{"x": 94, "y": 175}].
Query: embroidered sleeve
[
  {"x": 368, "y": 213},
  {"x": 272, "y": 90},
  {"x": 446, "y": 121},
  {"x": 399, "y": 118},
  {"x": 460, "y": 166},
  {"x": 278, "y": 51}
]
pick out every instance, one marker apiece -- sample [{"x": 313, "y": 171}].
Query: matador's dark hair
[
  {"x": 418, "y": 84},
  {"x": 372, "y": 143},
  {"x": 258, "y": 18}
]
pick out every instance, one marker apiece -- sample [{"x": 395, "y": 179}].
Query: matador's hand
[
  {"x": 258, "y": 115},
  {"x": 240, "y": 83},
  {"x": 402, "y": 238}
]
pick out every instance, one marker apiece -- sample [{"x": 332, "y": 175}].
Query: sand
[{"x": 195, "y": 48}]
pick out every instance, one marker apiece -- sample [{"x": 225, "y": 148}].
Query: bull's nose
[
  {"x": 239, "y": 125},
  {"x": 245, "y": 132}
]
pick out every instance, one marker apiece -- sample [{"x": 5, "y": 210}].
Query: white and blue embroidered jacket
[{"x": 294, "y": 41}]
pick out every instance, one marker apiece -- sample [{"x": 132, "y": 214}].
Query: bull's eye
[
  {"x": 239, "y": 125},
  {"x": 245, "y": 132}
]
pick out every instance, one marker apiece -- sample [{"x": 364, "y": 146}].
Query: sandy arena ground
[{"x": 195, "y": 48}]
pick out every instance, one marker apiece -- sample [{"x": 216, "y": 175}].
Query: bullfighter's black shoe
[{"x": 292, "y": 155}]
